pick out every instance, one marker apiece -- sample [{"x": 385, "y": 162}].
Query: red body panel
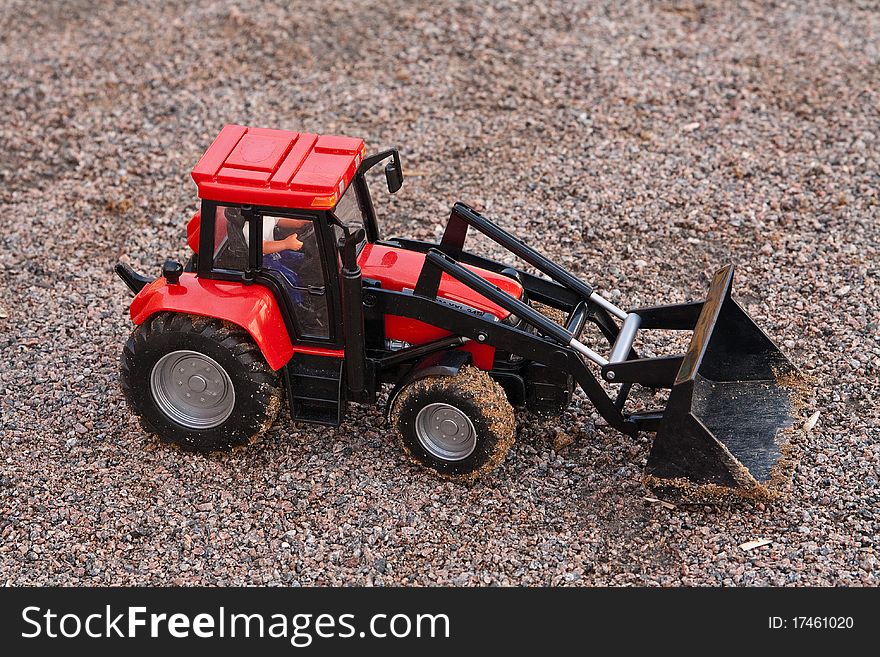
[
  {"x": 253, "y": 307},
  {"x": 277, "y": 167},
  {"x": 398, "y": 270}
]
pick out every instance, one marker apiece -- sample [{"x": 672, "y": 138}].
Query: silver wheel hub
[
  {"x": 445, "y": 432},
  {"x": 192, "y": 389}
]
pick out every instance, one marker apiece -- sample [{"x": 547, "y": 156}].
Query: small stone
[{"x": 561, "y": 440}]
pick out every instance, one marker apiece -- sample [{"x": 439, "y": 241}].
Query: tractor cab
[
  {"x": 275, "y": 204},
  {"x": 278, "y": 208}
]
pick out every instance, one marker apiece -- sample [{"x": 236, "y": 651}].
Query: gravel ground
[{"x": 666, "y": 138}]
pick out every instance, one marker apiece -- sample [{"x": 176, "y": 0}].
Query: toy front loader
[
  {"x": 732, "y": 391},
  {"x": 322, "y": 312}
]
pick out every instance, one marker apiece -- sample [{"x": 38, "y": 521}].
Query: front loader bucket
[{"x": 721, "y": 435}]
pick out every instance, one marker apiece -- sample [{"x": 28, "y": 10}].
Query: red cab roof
[{"x": 277, "y": 167}]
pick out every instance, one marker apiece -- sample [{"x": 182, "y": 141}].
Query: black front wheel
[
  {"x": 199, "y": 382},
  {"x": 459, "y": 426}
]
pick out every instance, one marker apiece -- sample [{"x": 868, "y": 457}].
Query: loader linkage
[{"x": 731, "y": 370}]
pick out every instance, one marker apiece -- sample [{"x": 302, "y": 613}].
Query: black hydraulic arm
[
  {"x": 464, "y": 216},
  {"x": 417, "y": 351},
  {"x": 443, "y": 263},
  {"x": 437, "y": 262},
  {"x": 539, "y": 288}
]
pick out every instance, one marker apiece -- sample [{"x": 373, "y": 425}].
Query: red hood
[{"x": 398, "y": 269}]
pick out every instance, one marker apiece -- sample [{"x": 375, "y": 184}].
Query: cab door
[
  {"x": 285, "y": 251},
  {"x": 295, "y": 251},
  {"x": 289, "y": 254}
]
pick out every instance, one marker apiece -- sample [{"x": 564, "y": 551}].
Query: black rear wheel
[
  {"x": 199, "y": 382},
  {"x": 459, "y": 426}
]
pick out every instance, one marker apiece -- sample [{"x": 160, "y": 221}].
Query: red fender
[{"x": 252, "y": 307}]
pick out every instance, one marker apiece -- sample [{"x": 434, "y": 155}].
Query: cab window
[
  {"x": 230, "y": 245},
  {"x": 292, "y": 256},
  {"x": 348, "y": 212}
]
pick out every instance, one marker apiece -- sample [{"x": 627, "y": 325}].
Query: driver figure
[{"x": 281, "y": 255}]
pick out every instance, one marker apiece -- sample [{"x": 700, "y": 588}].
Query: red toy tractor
[{"x": 292, "y": 294}]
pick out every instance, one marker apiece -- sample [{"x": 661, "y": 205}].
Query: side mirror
[
  {"x": 394, "y": 174},
  {"x": 393, "y": 170}
]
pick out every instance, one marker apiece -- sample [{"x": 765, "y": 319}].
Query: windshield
[{"x": 349, "y": 213}]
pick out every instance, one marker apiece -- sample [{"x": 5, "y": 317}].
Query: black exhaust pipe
[
  {"x": 353, "y": 316},
  {"x": 134, "y": 281}
]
